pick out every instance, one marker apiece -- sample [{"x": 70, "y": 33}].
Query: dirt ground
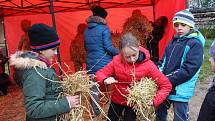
[{"x": 11, "y": 106}]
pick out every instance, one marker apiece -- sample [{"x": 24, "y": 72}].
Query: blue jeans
[{"x": 180, "y": 109}]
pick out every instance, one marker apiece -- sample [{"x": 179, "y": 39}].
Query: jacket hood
[
  {"x": 26, "y": 60},
  {"x": 95, "y": 20},
  {"x": 146, "y": 52}
]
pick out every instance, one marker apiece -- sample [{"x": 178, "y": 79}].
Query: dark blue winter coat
[{"x": 98, "y": 44}]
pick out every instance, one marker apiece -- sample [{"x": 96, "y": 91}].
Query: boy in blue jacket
[
  {"x": 181, "y": 63},
  {"x": 207, "y": 110}
]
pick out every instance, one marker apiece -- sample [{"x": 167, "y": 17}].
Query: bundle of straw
[
  {"x": 76, "y": 84},
  {"x": 170, "y": 115},
  {"x": 79, "y": 84},
  {"x": 140, "y": 97},
  {"x": 116, "y": 39},
  {"x": 139, "y": 26},
  {"x": 77, "y": 51}
]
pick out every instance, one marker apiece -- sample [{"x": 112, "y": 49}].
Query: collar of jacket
[
  {"x": 96, "y": 19},
  {"x": 141, "y": 57},
  {"x": 194, "y": 34},
  {"x": 44, "y": 60},
  {"x": 26, "y": 60},
  {"x": 191, "y": 34}
]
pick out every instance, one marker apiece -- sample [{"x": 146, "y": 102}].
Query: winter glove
[{"x": 110, "y": 80}]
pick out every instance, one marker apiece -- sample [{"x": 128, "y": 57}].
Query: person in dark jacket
[
  {"x": 181, "y": 63},
  {"x": 132, "y": 64},
  {"x": 38, "y": 80},
  {"x": 4, "y": 78},
  {"x": 159, "y": 29},
  {"x": 207, "y": 110},
  {"x": 99, "y": 47}
]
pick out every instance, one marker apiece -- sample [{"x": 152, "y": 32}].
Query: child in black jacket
[{"x": 207, "y": 110}]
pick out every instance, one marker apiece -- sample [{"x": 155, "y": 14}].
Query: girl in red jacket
[{"x": 131, "y": 64}]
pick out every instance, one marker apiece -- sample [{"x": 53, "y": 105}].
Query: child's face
[
  {"x": 130, "y": 54},
  {"x": 49, "y": 53},
  {"x": 181, "y": 29},
  {"x": 212, "y": 64}
]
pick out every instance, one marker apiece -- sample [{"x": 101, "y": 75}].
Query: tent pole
[
  {"x": 153, "y": 5},
  {"x": 52, "y": 13},
  {"x": 54, "y": 25},
  {"x": 187, "y": 3},
  {"x": 5, "y": 42}
]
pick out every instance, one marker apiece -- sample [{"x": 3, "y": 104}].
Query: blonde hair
[{"x": 128, "y": 40}]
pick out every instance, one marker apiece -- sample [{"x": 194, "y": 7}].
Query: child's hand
[
  {"x": 74, "y": 101},
  {"x": 110, "y": 80}
]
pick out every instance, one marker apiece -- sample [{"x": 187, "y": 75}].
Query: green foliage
[
  {"x": 208, "y": 33},
  {"x": 206, "y": 67}
]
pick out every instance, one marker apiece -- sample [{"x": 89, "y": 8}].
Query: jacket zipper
[{"x": 171, "y": 53}]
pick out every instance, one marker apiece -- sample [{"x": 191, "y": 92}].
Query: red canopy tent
[{"x": 70, "y": 13}]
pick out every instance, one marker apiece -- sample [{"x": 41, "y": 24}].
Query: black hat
[
  {"x": 99, "y": 11},
  {"x": 42, "y": 37}
]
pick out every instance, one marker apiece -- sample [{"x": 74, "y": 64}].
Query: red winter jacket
[{"x": 122, "y": 72}]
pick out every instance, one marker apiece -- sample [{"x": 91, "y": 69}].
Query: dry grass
[
  {"x": 116, "y": 39},
  {"x": 79, "y": 83},
  {"x": 139, "y": 26},
  {"x": 141, "y": 95}
]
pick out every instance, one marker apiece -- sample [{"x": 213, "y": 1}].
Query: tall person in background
[
  {"x": 77, "y": 51},
  {"x": 159, "y": 29},
  {"x": 99, "y": 47},
  {"x": 4, "y": 77}
]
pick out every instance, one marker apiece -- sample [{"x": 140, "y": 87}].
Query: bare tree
[{"x": 202, "y": 4}]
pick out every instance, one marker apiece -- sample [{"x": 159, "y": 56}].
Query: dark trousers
[
  {"x": 95, "y": 94},
  {"x": 4, "y": 83},
  {"x": 154, "y": 52},
  {"x": 115, "y": 112},
  {"x": 207, "y": 111}
]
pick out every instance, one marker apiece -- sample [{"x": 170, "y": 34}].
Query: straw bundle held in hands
[
  {"x": 76, "y": 84},
  {"x": 140, "y": 97},
  {"x": 170, "y": 115},
  {"x": 79, "y": 84}
]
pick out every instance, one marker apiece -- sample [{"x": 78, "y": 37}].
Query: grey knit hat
[{"x": 185, "y": 17}]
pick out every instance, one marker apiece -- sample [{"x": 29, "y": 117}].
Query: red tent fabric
[
  {"x": 14, "y": 7},
  {"x": 67, "y": 22}
]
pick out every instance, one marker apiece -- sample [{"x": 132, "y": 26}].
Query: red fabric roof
[
  {"x": 17, "y": 7},
  {"x": 67, "y": 22}
]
